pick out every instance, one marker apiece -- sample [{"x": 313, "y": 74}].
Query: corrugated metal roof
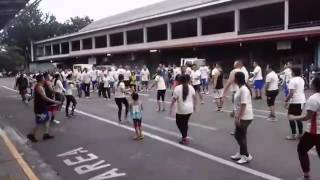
[{"x": 151, "y": 10}]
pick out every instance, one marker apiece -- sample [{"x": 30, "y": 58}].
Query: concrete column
[
  {"x": 169, "y": 29},
  {"x": 108, "y": 40},
  {"x": 317, "y": 61},
  {"x": 31, "y": 51},
  {"x": 70, "y": 47},
  {"x": 286, "y": 14},
  {"x": 60, "y": 48},
  {"x": 81, "y": 44},
  {"x": 199, "y": 26},
  {"x": 145, "y": 35},
  {"x": 93, "y": 43},
  {"x": 125, "y": 41},
  {"x": 44, "y": 50},
  {"x": 237, "y": 20}
]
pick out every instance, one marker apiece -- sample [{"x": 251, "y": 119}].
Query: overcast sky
[{"x": 95, "y": 9}]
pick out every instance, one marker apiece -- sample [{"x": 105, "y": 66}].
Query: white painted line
[
  {"x": 194, "y": 124},
  {"x": 277, "y": 112},
  {"x": 10, "y": 89},
  {"x": 255, "y": 115},
  {"x": 185, "y": 148},
  {"x": 153, "y": 127},
  {"x": 154, "y": 100},
  {"x": 142, "y": 94}
]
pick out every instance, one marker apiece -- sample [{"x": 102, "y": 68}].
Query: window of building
[
  {"x": 40, "y": 51},
  {"x": 56, "y": 49},
  {"x": 75, "y": 45},
  {"x": 135, "y": 36},
  {"x": 184, "y": 29},
  {"x": 48, "y": 50},
  {"x": 220, "y": 23},
  {"x": 87, "y": 43},
  {"x": 116, "y": 39},
  {"x": 157, "y": 33},
  {"x": 261, "y": 19},
  {"x": 65, "y": 48},
  {"x": 101, "y": 41},
  {"x": 304, "y": 13}
]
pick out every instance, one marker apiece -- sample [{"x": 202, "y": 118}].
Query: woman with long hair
[
  {"x": 185, "y": 97},
  {"x": 120, "y": 97},
  {"x": 243, "y": 117},
  {"x": 59, "y": 94}
]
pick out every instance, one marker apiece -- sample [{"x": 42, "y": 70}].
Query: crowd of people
[{"x": 189, "y": 83}]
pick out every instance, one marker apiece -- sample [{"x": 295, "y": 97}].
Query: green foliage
[
  {"x": 11, "y": 58},
  {"x": 34, "y": 25}
]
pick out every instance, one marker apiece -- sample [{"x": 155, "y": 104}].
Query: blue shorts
[
  {"x": 204, "y": 82},
  {"x": 258, "y": 84},
  {"x": 42, "y": 118}
]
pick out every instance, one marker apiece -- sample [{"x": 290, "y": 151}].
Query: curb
[{"x": 14, "y": 152}]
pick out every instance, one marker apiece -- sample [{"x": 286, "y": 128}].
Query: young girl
[{"x": 136, "y": 115}]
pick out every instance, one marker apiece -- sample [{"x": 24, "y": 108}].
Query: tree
[{"x": 34, "y": 25}]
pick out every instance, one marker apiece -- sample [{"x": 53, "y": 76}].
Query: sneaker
[
  {"x": 291, "y": 137},
  {"x": 232, "y": 133},
  {"x": 202, "y": 102},
  {"x": 305, "y": 178},
  {"x": 272, "y": 119},
  {"x": 184, "y": 141},
  {"x": 32, "y": 138},
  {"x": 236, "y": 157},
  {"x": 56, "y": 121},
  {"x": 141, "y": 137},
  {"x": 47, "y": 137},
  {"x": 135, "y": 137},
  {"x": 243, "y": 160},
  {"x": 249, "y": 158},
  {"x": 207, "y": 93},
  {"x": 299, "y": 136}
]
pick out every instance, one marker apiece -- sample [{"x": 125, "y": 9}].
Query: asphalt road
[{"x": 103, "y": 149}]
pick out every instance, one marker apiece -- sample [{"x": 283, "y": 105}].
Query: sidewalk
[{"x": 12, "y": 166}]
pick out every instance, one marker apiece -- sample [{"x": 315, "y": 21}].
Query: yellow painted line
[{"x": 25, "y": 167}]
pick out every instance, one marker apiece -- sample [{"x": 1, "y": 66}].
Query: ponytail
[{"x": 185, "y": 87}]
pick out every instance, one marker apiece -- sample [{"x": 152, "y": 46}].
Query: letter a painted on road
[
  {"x": 108, "y": 175},
  {"x": 73, "y": 152},
  {"x": 88, "y": 168},
  {"x": 80, "y": 159}
]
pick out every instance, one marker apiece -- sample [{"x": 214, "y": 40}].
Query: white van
[
  {"x": 82, "y": 67},
  {"x": 192, "y": 61}
]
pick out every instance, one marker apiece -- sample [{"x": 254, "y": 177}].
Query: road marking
[
  {"x": 185, "y": 148},
  {"x": 194, "y": 124},
  {"x": 142, "y": 94},
  {"x": 25, "y": 167},
  {"x": 277, "y": 112},
  {"x": 153, "y": 100}
]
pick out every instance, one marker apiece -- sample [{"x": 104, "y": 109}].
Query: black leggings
[
  {"x": 307, "y": 142},
  {"x": 105, "y": 92},
  {"x": 87, "y": 89},
  {"x": 241, "y": 136},
  {"x": 70, "y": 99},
  {"x": 293, "y": 127},
  {"x": 182, "y": 123},
  {"x": 119, "y": 102}
]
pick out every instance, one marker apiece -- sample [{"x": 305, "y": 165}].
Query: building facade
[{"x": 267, "y": 31}]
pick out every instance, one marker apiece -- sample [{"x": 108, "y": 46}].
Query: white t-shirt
[
  {"x": 120, "y": 90},
  {"x": 127, "y": 75},
  {"x": 184, "y": 107},
  {"x": 145, "y": 74},
  {"x": 161, "y": 85},
  {"x": 106, "y": 81},
  {"x": 176, "y": 71},
  {"x": 258, "y": 73},
  {"x": 297, "y": 84},
  {"x": 58, "y": 87},
  {"x": 188, "y": 71},
  {"x": 94, "y": 75},
  {"x": 313, "y": 104},
  {"x": 196, "y": 77},
  {"x": 69, "y": 87},
  {"x": 243, "y": 96},
  {"x": 234, "y": 87},
  {"x": 121, "y": 71},
  {"x": 215, "y": 72},
  {"x": 114, "y": 75},
  {"x": 273, "y": 80},
  {"x": 86, "y": 77},
  {"x": 287, "y": 75},
  {"x": 204, "y": 70}
]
